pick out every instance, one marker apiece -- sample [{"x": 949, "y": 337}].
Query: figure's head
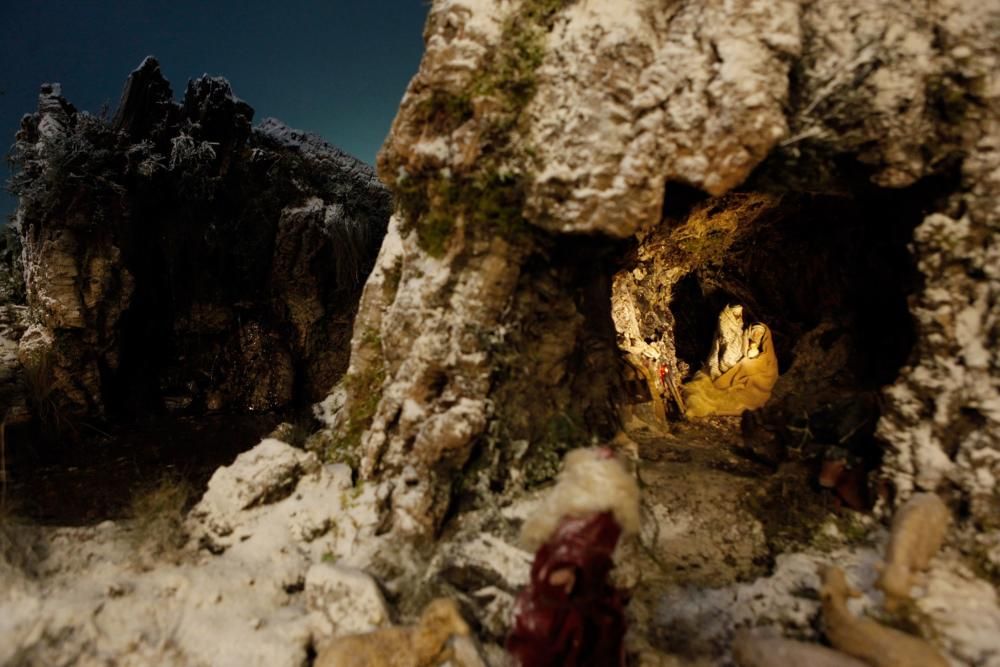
[
  {"x": 731, "y": 317},
  {"x": 592, "y": 480},
  {"x": 757, "y": 340}
]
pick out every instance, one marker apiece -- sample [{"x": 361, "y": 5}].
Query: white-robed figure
[{"x": 744, "y": 385}]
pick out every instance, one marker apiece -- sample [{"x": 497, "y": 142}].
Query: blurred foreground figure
[
  {"x": 426, "y": 644},
  {"x": 570, "y": 614}
]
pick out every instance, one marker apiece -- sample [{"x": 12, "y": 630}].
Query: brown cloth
[{"x": 570, "y": 615}]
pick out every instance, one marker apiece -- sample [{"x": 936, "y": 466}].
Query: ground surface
[
  {"x": 700, "y": 496},
  {"x": 94, "y": 478},
  {"x": 714, "y": 522},
  {"x": 719, "y": 516},
  {"x": 727, "y": 543}
]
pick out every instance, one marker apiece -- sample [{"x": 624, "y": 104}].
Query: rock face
[
  {"x": 532, "y": 119},
  {"x": 469, "y": 306},
  {"x": 13, "y": 395},
  {"x": 177, "y": 256}
]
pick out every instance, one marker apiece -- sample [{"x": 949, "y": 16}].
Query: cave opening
[
  {"x": 815, "y": 260},
  {"x": 829, "y": 272}
]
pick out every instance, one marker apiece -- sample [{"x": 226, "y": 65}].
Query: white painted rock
[
  {"x": 229, "y": 512},
  {"x": 349, "y": 599},
  {"x": 262, "y": 475}
]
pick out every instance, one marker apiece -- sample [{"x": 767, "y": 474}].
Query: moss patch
[
  {"x": 562, "y": 432},
  {"x": 510, "y": 76},
  {"x": 48, "y": 405},
  {"x": 365, "y": 390},
  {"x": 489, "y": 198}
]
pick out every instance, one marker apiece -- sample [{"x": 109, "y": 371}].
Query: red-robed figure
[{"x": 570, "y": 615}]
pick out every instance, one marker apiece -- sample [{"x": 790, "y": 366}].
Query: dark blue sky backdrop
[{"x": 334, "y": 67}]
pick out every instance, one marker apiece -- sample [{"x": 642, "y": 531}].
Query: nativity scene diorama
[{"x": 647, "y": 334}]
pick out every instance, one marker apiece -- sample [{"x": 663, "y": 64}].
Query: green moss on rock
[
  {"x": 489, "y": 198},
  {"x": 365, "y": 389}
]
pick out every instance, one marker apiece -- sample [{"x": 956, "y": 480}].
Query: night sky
[{"x": 337, "y": 68}]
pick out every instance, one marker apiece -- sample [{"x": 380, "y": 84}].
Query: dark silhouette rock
[
  {"x": 177, "y": 257},
  {"x": 147, "y": 106}
]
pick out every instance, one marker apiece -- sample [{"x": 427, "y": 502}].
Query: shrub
[{"x": 157, "y": 515}]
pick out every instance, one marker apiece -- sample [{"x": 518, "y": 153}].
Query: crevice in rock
[
  {"x": 562, "y": 347},
  {"x": 795, "y": 260}
]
